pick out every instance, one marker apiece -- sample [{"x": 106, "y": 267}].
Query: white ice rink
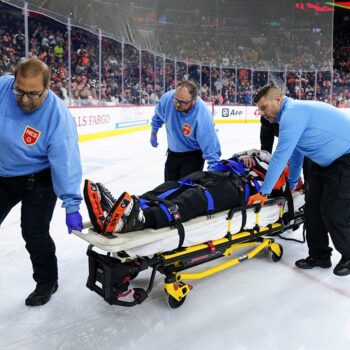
[{"x": 255, "y": 305}]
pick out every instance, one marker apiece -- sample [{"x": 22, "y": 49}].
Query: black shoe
[
  {"x": 343, "y": 267},
  {"x": 42, "y": 293},
  {"x": 310, "y": 263},
  {"x": 134, "y": 220}
]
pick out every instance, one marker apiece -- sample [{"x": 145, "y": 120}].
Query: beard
[
  {"x": 27, "y": 107},
  {"x": 182, "y": 109}
]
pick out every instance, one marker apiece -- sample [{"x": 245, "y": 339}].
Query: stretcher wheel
[
  {"x": 173, "y": 303},
  {"x": 273, "y": 256}
]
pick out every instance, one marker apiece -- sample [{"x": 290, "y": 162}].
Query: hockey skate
[
  {"x": 132, "y": 220},
  {"x": 104, "y": 211}
]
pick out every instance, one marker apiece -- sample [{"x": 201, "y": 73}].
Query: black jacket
[{"x": 268, "y": 132}]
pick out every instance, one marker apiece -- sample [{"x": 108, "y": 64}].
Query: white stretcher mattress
[{"x": 198, "y": 230}]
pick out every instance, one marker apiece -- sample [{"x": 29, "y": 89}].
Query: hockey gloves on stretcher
[{"x": 257, "y": 198}]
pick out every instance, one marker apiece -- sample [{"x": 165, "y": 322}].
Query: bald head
[
  {"x": 31, "y": 85},
  {"x": 32, "y": 68},
  {"x": 190, "y": 86}
]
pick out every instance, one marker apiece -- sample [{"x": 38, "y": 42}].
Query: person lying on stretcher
[{"x": 201, "y": 193}]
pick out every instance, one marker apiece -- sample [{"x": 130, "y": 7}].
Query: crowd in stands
[
  {"x": 268, "y": 51},
  {"x": 219, "y": 75}
]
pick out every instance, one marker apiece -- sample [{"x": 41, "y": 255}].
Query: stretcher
[{"x": 113, "y": 272}]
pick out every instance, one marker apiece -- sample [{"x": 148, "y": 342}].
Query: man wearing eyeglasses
[
  {"x": 191, "y": 135},
  {"x": 321, "y": 132},
  {"x": 39, "y": 161}
]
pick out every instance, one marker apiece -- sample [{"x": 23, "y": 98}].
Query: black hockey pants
[{"x": 192, "y": 201}]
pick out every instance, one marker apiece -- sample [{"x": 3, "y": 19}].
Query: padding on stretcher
[{"x": 198, "y": 230}]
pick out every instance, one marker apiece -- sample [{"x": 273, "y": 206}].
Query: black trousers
[
  {"x": 327, "y": 208},
  {"x": 38, "y": 199},
  {"x": 181, "y": 164},
  {"x": 307, "y": 166},
  {"x": 192, "y": 201}
]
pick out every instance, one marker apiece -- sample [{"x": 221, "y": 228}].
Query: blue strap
[
  {"x": 185, "y": 182},
  {"x": 210, "y": 200},
  {"x": 230, "y": 165},
  {"x": 168, "y": 193},
  {"x": 247, "y": 192},
  {"x": 221, "y": 166},
  {"x": 166, "y": 211},
  {"x": 247, "y": 188},
  {"x": 256, "y": 184},
  {"x": 143, "y": 203},
  {"x": 237, "y": 166},
  {"x": 164, "y": 195}
]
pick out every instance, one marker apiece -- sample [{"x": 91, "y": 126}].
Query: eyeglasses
[
  {"x": 180, "y": 102},
  {"x": 30, "y": 95}
]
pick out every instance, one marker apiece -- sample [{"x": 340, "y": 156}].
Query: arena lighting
[
  {"x": 341, "y": 4},
  {"x": 326, "y": 6},
  {"x": 317, "y": 7}
]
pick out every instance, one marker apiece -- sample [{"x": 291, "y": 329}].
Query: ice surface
[{"x": 255, "y": 305}]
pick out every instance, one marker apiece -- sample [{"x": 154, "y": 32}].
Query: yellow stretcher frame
[
  {"x": 177, "y": 289},
  {"x": 110, "y": 277}
]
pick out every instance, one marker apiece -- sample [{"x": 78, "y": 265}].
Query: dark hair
[
  {"x": 264, "y": 91},
  {"x": 191, "y": 87},
  {"x": 32, "y": 67}
]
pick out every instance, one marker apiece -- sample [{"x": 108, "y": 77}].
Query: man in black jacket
[{"x": 268, "y": 132}]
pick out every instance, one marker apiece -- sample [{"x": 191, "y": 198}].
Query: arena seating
[{"x": 221, "y": 75}]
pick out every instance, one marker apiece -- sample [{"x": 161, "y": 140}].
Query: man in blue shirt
[
  {"x": 190, "y": 132},
  {"x": 320, "y": 132},
  {"x": 39, "y": 161}
]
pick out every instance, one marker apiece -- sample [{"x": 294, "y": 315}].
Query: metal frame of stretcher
[{"x": 110, "y": 275}]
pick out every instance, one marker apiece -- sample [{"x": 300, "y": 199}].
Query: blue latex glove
[
  {"x": 153, "y": 140},
  {"x": 74, "y": 221}
]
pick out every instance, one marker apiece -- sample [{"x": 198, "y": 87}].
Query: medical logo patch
[
  {"x": 30, "y": 136},
  {"x": 187, "y": 129}
]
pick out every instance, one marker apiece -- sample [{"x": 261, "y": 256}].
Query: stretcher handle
[{"x": 87, "y": 224}]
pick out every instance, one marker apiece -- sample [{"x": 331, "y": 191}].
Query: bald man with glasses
[
  {"x": 190, "y": 130},
  {"x": 39, "y": 161}
]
